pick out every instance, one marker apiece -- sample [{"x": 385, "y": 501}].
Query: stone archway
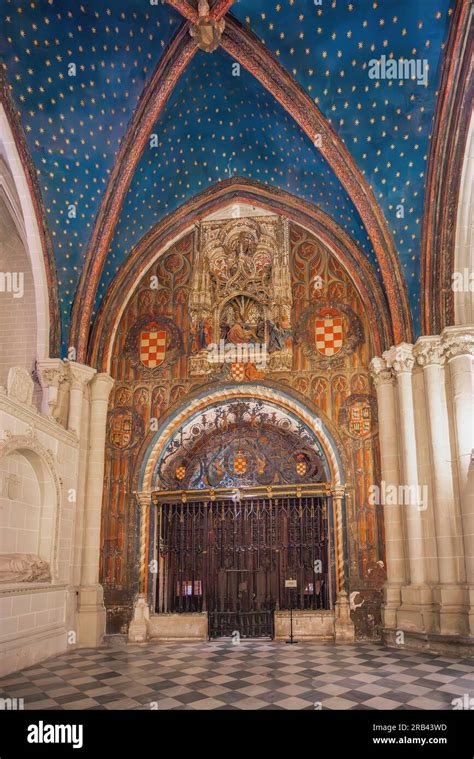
[
  {"x": 170, "y": 303},
  {"x": 193, "y": 451},
  {"x": 32, "y": 487},
  {"x": 27, "y": 238},
  {"x": 315, "y": 423}
]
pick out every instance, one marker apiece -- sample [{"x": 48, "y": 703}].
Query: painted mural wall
[{"x": 297, "y": 323}]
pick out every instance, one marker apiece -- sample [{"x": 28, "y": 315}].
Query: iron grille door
[
  {"x": 231, "y": 559},
  {"x": 248, "y": 624}
]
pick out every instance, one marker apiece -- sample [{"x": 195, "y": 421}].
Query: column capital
[
  {"x": 80, "y": 374},
  {"x": 458, "y": 341},
  {"x": 400, "y": 358},
  {"x": 143, "y": 499},
  {"x": 379, "y": 371},
  {"x": 51, "y": 372},
  {"x": 338, "y": 491},
  {"x": 101, "y": 385},
  {"x": 428, "y": 351}
]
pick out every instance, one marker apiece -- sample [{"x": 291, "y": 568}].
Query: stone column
[
  {"x": 458, "y": 346},
  {"x": 384, "y": 382},
  {"x": 144, "y": 503},
  {"x": 79, "y": 376},
  {"x": 428, "y": 352},
  {"x": 138, "y": 628},
  {"x": 52, "y": 373},
  {"x": 91, "y": 610},
  {"x": 416, "y": 612},
  {"x": 343, "y": 625},
  {"x": 401, "y": 360}
]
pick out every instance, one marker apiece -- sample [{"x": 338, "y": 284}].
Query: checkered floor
[{"x": 251, "y": 675}]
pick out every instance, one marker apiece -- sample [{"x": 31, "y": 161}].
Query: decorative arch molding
[
  {"x": 29, "y": 214},
  {"x": 43, "y": 464},
  {"x": 9, "y": 195},
  {"x": 327, "y": 441},
  {"x": 320, "y": 427},
  {"x": 272, "y": 447},
  {"x": 447, "y": 150},
  {"x": 234, "y": 191},
  {"x": 245, "y": 48},
  {"x": 464, "y": 243},
  {"x": 152, "y": 103}
]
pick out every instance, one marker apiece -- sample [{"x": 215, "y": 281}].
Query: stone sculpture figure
[{"x": 23, "y": 567}]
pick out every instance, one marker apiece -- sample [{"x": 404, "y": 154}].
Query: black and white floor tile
[{"x": 251, "y": 675}]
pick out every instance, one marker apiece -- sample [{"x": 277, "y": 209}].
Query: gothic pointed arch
[
  {"x": 448, "y": 152},
  {"x": 247, "y": 50},
  {"x": 319, "y": 317},
  {"x": 152, "y": 102},
  {"x": 25, "y": 208},
  {"x": 226, "y": 194}
]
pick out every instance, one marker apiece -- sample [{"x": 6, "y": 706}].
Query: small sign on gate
[{"x": 290, "y": 583}]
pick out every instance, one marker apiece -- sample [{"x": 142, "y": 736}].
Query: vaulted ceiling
[{"x": 215, "y": 124}]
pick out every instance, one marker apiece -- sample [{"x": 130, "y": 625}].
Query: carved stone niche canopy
[
  {"x": 241, "y": 296},
  {"x": 23, "y": 566}
]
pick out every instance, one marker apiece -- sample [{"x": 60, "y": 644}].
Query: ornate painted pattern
[
  {"x": 122, "y": 66},
  {"x": 339, "y": 392},
  {"x": 240, "y": 443}
]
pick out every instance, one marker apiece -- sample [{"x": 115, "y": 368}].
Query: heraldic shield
[
  {"x": 360, "y": 419},
  {"x": 153, "y": 340},
  {"x": 328, "y": 327}
]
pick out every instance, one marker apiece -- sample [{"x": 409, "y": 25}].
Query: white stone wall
[
  {"x": 35, "y": 517},
  {"x": 52, "y": 441},
  {"x": 20, "y": 506},
  {"x": 17, "y": 311},
  {"x": 32, "y": 626},
  {"x": 51, "y": 477}
]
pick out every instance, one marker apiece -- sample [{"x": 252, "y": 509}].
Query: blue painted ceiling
[
  {"x": 385, "y": 124},
  {"x": 217, "y": 125},
  {"x": 74, "y": 124}
]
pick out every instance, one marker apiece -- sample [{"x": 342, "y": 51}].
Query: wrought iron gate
[
  {"x": 231, "y": 558},
  {"x": 248, "y": 624}
]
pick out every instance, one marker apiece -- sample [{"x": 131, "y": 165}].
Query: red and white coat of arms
[
  {"x": 152, "y": 346},
  {"x": 328, "y": 333}
]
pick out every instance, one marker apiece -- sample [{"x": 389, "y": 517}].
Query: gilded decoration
[
  {"x": 252, "y": 283},
  {"x": 124, "y": 429},
  {"x": 207, "y": 32},
  {"x": 328, "y": 332},
  {"x": 238, "y": 444},
  {"x": 240, "y": 302}
]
